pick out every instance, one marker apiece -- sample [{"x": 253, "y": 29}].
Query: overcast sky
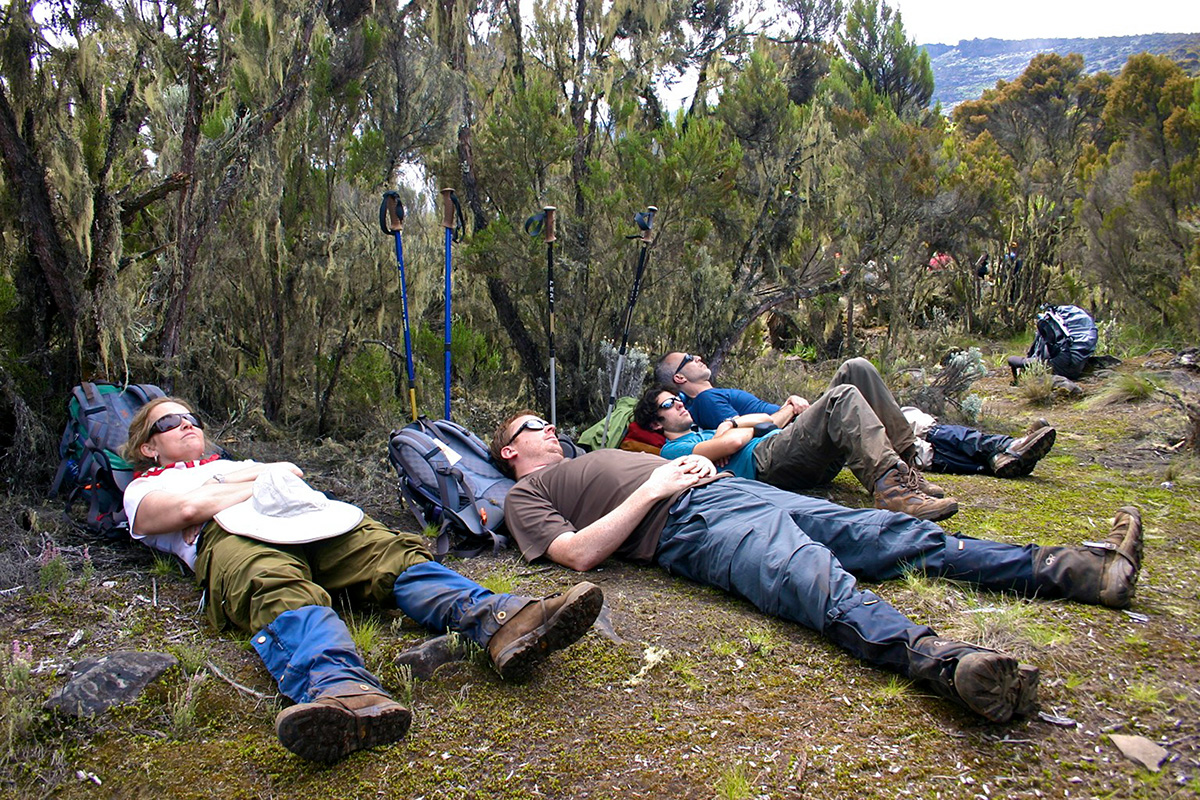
[{"x": 942, "y": 21}]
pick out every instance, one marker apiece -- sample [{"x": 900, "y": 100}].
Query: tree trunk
[
  {"x": 195, "y": 227},
  {"x": 28, "y": 178}
]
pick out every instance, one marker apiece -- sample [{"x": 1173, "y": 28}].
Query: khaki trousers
[
  {"x": 250, "y": 583},
  {"x": 856, "y": 423}
]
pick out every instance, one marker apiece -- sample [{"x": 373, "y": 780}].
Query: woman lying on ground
[{"x": 269, "y": 550}]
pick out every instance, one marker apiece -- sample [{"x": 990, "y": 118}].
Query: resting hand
[
  {"x": 191, "y": 533},
  {"x": 698, "y": 465},
  {"x": 250, "y": 473},
  {"x": 678, "y": 475},
  {"x": 798, "y": 404},
  {"x": 287, "y": 465}
]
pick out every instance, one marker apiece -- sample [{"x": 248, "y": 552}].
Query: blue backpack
[
  {"x": 1066, "y": 338},
  {"x": 91, "y": 467}
]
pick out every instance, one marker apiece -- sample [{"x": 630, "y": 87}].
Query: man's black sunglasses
[
  {"x": 669, "y": 403},
  {"x": 169, "y": 422},
  {"x": 533, "y": 424},
  {"x": 687, "y": 357}
]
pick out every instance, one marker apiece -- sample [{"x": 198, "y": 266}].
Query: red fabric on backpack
[{"x": 639, "y": 434}]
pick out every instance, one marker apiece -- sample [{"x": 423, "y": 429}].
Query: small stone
[
  {"x": 426, "y": 658},
  {"x": 1140, "y": 750}
]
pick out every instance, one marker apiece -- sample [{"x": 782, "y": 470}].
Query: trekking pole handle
[
  {"x": 645, "y": 221},
  {"x": 548, "y": 228},
  {"x": 391, "y": 213},
  {"x": 448, "y": 208}
]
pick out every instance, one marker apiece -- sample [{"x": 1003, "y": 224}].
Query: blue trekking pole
[
  {"x": 391, "y": 222},
  {"x": 451, "y": 214},
  {"x": 543, "y": 223},
  {"x": 645, "y": 221}
]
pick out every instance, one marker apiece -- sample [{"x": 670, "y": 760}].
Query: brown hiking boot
[
  {"x": 897, "y": 491},
  {"x": 1023, "y": 454},
  {"x": 993, "y": 685},
  {"x": 542, "y": 627},
  {"x": 925, "y": 485},
  {"x": 1101, "y": 573},
  {"x": 910, "y": 457},
  {"x": 354, "y": 717}
]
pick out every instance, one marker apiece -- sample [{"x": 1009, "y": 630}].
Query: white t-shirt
[{"x": 179, "y": 478}]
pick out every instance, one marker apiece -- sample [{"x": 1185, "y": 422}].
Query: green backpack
[{"x": 91, "y": 467}]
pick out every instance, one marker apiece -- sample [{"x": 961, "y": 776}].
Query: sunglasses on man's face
[
  {"x": 533, "y": 424},
  {"x": 669, "y": 403},
  {"x": 687, "y": 358},
  {"x": 169, "y": 422}
]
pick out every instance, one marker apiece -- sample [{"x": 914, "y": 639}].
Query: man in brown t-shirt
[{"x": 795, "y": 556}]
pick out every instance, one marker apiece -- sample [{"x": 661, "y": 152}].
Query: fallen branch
[{"x": 243, "y": 689}]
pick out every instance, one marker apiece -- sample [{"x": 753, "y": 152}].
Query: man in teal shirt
[{"x": 797, "y": 451}]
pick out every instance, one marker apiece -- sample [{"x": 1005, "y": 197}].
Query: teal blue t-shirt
[{"x": 741, "y": 464}]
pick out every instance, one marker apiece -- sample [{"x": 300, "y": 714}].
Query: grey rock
[
  {"x": 425, "y": 658},
  {"x": 98, "y": 684}
]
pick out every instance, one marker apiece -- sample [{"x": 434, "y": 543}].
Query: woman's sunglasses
[
  {"x": 169, "y": 422},
  {"x": 534, "y": 424}
]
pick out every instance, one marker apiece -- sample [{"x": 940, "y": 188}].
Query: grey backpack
[{"x": 449, "y": 480}]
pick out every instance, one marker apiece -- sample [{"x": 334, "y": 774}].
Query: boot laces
[{"x": 912, "y": 480}]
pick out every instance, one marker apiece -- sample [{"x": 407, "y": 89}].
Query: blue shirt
[
  {"x": 740, "y": 463},
  {"x": 713, "y": 406}
]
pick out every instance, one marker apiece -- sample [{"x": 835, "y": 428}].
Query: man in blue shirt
[
  {"x": 797, "y": 452},
  {"x": 947, "y": 448}
]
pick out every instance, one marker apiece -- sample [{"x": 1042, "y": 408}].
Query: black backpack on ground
[
  {"x": 1066, "y": 338},
  {"x": 448, "y": 479},
  {"x": 91, "y": 466}
]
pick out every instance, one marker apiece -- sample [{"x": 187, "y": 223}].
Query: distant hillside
[{"x": 961, "y": 72}]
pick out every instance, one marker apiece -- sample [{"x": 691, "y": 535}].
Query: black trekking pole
[
  {"x": 391, "y": 222},
  {"x": 455, "y": 225},
  {"x": 543, "y": 223},
  {"x": 645, "y": 221}
]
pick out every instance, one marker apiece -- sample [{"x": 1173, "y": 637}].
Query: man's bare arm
[
  {"x": 727, "y": 441},
  {"x": 587, "y": 547}
]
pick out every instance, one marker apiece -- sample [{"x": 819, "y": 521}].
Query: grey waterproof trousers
[{"x": 796, "y": 557}]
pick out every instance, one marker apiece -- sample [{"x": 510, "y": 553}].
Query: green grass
[
  {"x": 723, "y": 648},
  {"x": 733, "y": 783},
  {"x": 192, "y": 656},
  {"x": 1036, "y": 384},
  {"x": 164, "y": 566},
  {"x": 762, "y": 641},
  {"x": 1125, "y": 388},
  {"x": 366, "y": 631},
  {"x": 894, "y": 687},
  {"x": 1145, "y": 694}
]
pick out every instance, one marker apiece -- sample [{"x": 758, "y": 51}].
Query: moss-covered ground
[{"x": 689, "y": 693}]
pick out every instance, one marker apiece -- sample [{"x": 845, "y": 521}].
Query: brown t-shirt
[{"x": 573, "y": 494}]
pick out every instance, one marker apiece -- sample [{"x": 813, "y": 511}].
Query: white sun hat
[{"x": 285, "y": 510}]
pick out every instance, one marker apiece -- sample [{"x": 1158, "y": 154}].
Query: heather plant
[{"x": 52, "y": 567}]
